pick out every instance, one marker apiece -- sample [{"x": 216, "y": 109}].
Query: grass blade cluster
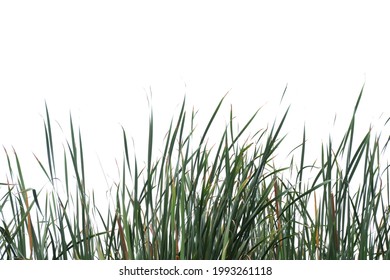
[{"x": 196, "y": 201}]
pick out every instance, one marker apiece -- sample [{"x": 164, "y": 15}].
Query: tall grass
[{"x": 196, "y": 201}]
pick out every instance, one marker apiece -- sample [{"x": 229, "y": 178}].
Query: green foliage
[{"x": 228, "y": 201}]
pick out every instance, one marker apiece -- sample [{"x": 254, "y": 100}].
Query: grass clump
[{"x": 227, "y": 201}]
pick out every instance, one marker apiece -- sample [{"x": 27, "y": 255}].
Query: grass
[{"x": 195, "y": 201}]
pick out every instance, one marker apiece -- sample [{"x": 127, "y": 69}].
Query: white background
[
  {"x": 100, "y": 60},
  {"x": 280, "y": 269}
]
